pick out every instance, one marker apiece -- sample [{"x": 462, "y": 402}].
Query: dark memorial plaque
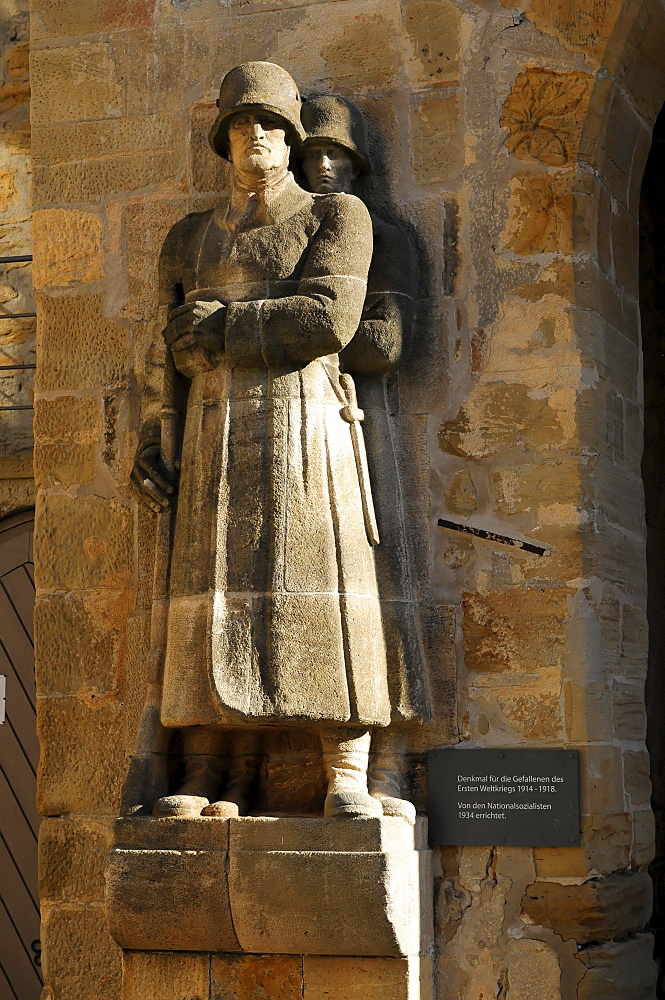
[{"x": 520, "y": 798}]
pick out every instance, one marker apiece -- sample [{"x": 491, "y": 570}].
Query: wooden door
[{"x": 20, "y": 976}]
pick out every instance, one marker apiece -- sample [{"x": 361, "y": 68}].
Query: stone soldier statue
[
  {"x": 334, "y": 155},
  {"x": 274, "y": 614}
]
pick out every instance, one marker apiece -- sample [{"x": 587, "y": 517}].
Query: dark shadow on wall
[{"x": 652, "y": 308}]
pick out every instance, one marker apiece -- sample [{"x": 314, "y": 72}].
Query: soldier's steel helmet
[
  {"x": 336, "y": 120},
  {"x": 257, "y": 86}
]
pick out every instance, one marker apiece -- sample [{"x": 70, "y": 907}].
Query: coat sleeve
[
  {"x": 153, "y": 392},
  {"x": 323, "y": 314},
  {"x": 385, "y": 333}
]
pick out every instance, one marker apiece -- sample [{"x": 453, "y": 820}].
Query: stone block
[
  {"x": 74, "y": 83},
  {"x": 65, "y": 143},
  {"x": 634, "y": 642},
  {"x": 637, "y": 776},
  {"x": 146, "y": 976},
  {"x": 512, "y": 630},
  {"x": 371, "y": 835},
  {"x": 146, "y": 223},
  {"x": 67, "y": 431},
  {"x": 528, "y": 487},
  {"x": 533, "y": 971},
  {"x": 68, "y": 418},
  {"x": 80, "y": 959},
  {"x": 325, "y": 903},
  {"x": 596, "y": 293},
  {"x": 70, "y": 250},
  {"x": 92, "y": 180},
  {"x": 461, "y": 496},
  {"x": 644, "y": 837},
  {"x": 170, "y": 900},
  {"x": 530, "y": 711},
  {"x": 72, "y": 856},
  {"x": 606, "y": 846},
  {"x": 261, "y": 977},
  {"x": 436, "y": 143},
  {"x": 362, "y": 45},
  {"x": 587, "y": 717},
  {"x": 80, "y": 642},
  {"x": 601, "y": 780},
  {"x": 80, "y": 347},
  {"x": 367, "y": 978},
  {"x": 541, "y": 213},
  {"x": 502, "y": 416},
  {"x": 95, "y": 15},
  {"x": 597, "y": 910},
  {"x": 201, "y": 833},
  {"x": 208, "y": 171},
  {"x": 433, "y": 30},
  {"x": 176, "y": 884},
  {"x": 625, "y": 241},
  {"x": 82, "y": 762},
  {"x": 152, "y": 64},
  {"x": 83, "y": 543},
  {"x": 618, "y": 969}
]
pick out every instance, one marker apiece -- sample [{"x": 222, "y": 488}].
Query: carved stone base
[
  {"x": 272, "y": 886},
  {"x": 184, "y": 976}
]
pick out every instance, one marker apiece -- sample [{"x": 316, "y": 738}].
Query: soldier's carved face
[
  {"x": 329, "y": 167},
  {"x": 257, "y": 143}
]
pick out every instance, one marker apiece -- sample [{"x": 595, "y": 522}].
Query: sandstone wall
[
  {"x": 17, "y": 337},
  {"x": 512, "y": 143}
]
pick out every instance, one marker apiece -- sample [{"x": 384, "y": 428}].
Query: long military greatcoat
[{"x": 274, "y": 612}]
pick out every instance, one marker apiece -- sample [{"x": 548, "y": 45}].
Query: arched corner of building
[{"x": 626, "y": 98}]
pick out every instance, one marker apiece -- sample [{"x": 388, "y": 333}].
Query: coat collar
[{"x": 242, "y": 210}]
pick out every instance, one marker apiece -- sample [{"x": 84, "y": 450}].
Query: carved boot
[
  {"x": 384, "y": 778},
  {"x": 345, "y": 758},
  {"x": 204, "y": 765},
  {"x": 242, "y": 777}
]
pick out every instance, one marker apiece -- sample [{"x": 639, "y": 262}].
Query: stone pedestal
[{"x": 274, "y": 907}]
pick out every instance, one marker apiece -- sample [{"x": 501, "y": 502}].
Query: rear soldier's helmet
[
  {"x": 257, "y": 86},
  {"x": 338, "y": 121}
]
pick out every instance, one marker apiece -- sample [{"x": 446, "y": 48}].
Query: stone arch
[{"x": 626, "y": 103}]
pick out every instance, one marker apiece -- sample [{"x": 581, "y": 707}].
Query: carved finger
[
  {"x": 154, "y": 473},
  {"x": 137, "y": 483},
  {"x": 184, "y": 342},
  {"x": 151, "y": 491},
  {"x": 182, "y": 310}
]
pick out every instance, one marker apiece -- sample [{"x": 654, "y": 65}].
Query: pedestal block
[{"x": 271, "y": 885}]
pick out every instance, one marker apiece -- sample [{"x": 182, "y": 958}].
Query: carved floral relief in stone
[{"x": 542, "y": 114}]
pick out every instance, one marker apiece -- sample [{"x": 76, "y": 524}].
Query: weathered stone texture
[
  {"x": 80, "y": 955},
  {"x": 80, "y": 347},
  {"x": 234, "y": 977},
  {"x": 326, "y": 887},
  {"x": 618, "y": 969},
  {"x": 71, "y": 243},
  {"x": 83, "y": 543},
  {"x": 169, "y": 977},
  {"x": 82, "y": 636},
  {"x": 597, "y": 910},
  {"x": 367, "y": 979},
  {"x": 533, "y": 970},
  {"x": 72, "y": 856},
  {"x": 82, "y": 764}
]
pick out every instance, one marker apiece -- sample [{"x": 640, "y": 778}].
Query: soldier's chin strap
[{"x": 345, "y": 390}]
